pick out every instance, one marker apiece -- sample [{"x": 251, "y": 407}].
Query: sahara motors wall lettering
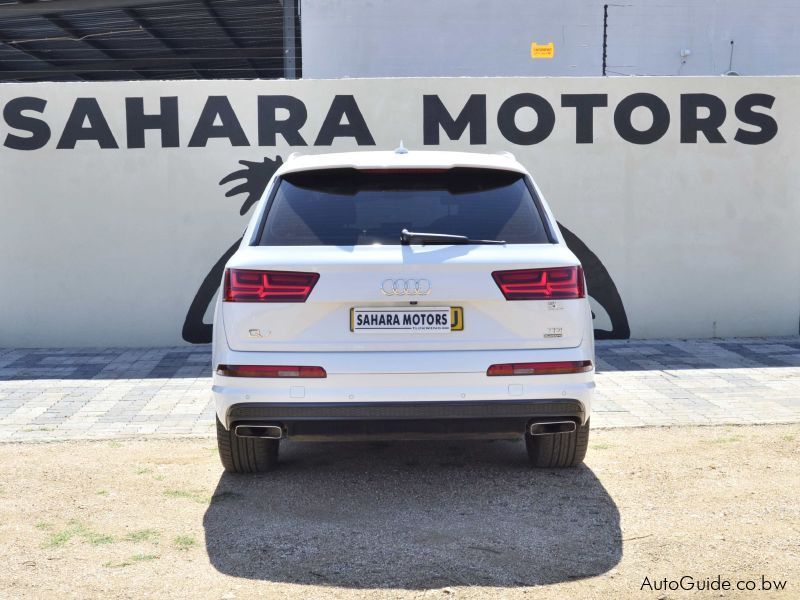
[
  {"x": 120, "y": 199},
  {"x": 344, "y": 119}
]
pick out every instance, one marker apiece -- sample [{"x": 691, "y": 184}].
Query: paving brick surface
[{"x": 68, "y": 393}]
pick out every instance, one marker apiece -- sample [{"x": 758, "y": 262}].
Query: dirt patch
[{"x": 133, "y": 519}]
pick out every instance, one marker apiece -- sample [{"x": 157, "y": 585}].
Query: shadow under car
[{"x": 412, "y": 515}]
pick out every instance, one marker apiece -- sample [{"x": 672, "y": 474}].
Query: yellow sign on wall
[{"x": 542, "y": 50}]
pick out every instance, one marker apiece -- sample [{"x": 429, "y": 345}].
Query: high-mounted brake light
[
  {"x": 558, "y": 283},
  {"x": 404, "y": 170},
  {"x": 270, "y": 371},
  {"x": 564, "y": 367},
  {"x": 244, "y": 285}
]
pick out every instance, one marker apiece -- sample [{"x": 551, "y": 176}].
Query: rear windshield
[{"x": 349, "y": 207}]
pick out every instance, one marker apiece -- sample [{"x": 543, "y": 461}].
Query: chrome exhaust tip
[
  {"x": 551, "y": 427},
  {"x": 267, "y": 432}
]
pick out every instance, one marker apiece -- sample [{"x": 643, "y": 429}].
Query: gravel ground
[{"x": 158, "y": 518}]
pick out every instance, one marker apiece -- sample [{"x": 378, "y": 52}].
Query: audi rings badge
[{"x": 406, "y": 287}]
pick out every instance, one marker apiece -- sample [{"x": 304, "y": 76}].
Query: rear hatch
[{"x": 366, "y": 289}]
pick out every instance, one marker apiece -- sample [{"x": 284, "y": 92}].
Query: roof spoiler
[{"x": 506, "y": 154}]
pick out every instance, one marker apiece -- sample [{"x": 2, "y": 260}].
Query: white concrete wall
[
  {"x": 109, "y": 246},
  {"x": 393, "y": 38}
]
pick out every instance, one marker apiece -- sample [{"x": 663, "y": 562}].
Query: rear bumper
[
  {"x": 403, "y": 410},
  {"x": 427, "y": 394},
  {"x": 446, "y": 393},
  {"x": 404, "y": 420}
]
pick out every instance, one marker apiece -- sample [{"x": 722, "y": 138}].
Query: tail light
[
  {"x": 558, "y": 283},
  {"x": 270, "y": 371},
  {"x": 541, "y": 368},
  {"x": 243, "y": 285}
]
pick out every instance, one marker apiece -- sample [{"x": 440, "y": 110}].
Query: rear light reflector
[
  {"x": 541, "y": 368},
  {"x": 558, "y": 283},
  {"x": 270, "y": 371},
  {"x": 244, "y": 285}
]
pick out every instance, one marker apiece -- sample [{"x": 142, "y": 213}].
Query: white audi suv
[{"x": 402, "y": 295}]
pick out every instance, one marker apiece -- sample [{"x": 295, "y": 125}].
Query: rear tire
[
  {"x": 559, "y": 449},
  {"x": 246, "y": 455}
]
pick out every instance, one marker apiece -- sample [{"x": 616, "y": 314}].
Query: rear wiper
[{"x": 409, "y": 237}]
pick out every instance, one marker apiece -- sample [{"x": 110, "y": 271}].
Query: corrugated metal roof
[{"x": 69, "y": 40}]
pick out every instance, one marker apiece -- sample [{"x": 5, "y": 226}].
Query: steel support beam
[
  {"x": 31, "y": 9},
  {"x": 143, "y": 23},
  {"x": 60, "y": 22},
  {"x": 142, "y": 64},
  {"x": 228, "y": 33},
  {"x": 40, "y": 57},
  {"x": 289, "y": 43}
]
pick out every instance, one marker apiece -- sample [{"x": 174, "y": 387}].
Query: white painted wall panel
[
  {"x": 389, "y": 38},
  {"x": 110, "y": 246}
]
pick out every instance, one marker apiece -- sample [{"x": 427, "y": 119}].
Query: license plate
[{"x": 436, "y": 319}]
